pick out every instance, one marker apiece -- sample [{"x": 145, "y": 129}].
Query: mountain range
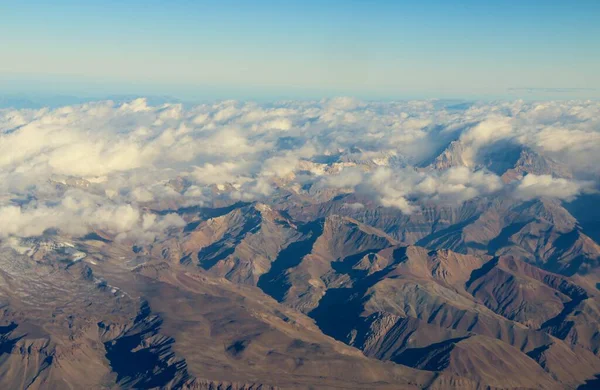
[{"x": 319, "y": 286}]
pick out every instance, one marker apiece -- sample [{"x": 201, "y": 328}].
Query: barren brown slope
[
  {"x": 541, "y": 231},
  {"x": 239, "y": 335},
  {"x": 61, "y": 322},
  {"x": 407, "y": 229},
  {"x": 486, "y": 360},
  {"x": 302, "y": 274},
  {"x": 413, "y": 304},
  {"x": 389, "y": 300},
  {"x": 162, "y": 326},
  {"x": 522, "y": 292},
  {"x": 228, "y": 333}
]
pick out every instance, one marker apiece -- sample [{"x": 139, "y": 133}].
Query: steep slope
[
  {"x": 457, "y": 154},
  {"x": 522, "y": 292},
  {"x": 485, "y": 360},
  {"x": 390, "y": 301},
  {"x": 540, "y": 231},
  {"x": 246, "y": 337},
  {"x": 162, "y": 325},
  {"x": 424, "y": 302},
  {"x": 405, "y": 228},
  {"x": 312, "y": 266},
  {"x": 239, "y": 245},
  {"x": 65, "y": 324},
  {"x": 506, "y": 158}
]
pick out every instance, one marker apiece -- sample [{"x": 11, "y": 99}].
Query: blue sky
[{"x": 244, "y": 49}]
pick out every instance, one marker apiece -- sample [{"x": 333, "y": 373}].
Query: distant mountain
[{"x": 504, "y": 158}]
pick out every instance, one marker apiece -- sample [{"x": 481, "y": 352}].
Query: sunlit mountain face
[{"x": 334, "y": 243}]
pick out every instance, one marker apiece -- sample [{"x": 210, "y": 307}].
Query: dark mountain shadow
[
  {"x": 478, "y": 273},
  {"x": 502, "y": 239},
  {"x": 274, "y": 282},
  {"x": 435, "y": 357},
  {"x": 536, "y": 353},
  {"x": 210, "y": 212},
  {"x": 142, "y": 360},
  {"x": 563, "y": 244},
  {"x": 591, "y": 384},
  {"x": 339, "y": 309},
  {"x": 557, "y": 325},
  {"x": 500, "y": 156},
  {"x": 587, "y": 213},
  {"x": 345, "y": 266},
  {"x": 95, "y": 237},
  {"x": 209, "y": 256},
  {"x": 6, "y": 342},
  {"x": 190, "y": 227}
]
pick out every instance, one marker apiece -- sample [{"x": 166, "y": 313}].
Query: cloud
[
  {"x": 485, "y": 132},
  {"x": 534, "y": 186},
  {"x": 347, "y": 178},
  {"x": 277, "y": 124},
  {"x": 93, "y": 166},
  {"x": 78, "y": 214},
  {"x": 397, "y": 188},
  {"x": 226, "y": 172},
  {"x": 491, "y": 129},
  {"x": 341, "y": 103},
  {"x": 354, "y": 206}
]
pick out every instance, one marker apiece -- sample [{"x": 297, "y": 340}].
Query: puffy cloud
[
  {"x": 225, "y": 113},
  {"x": 226, "y": 172},
  {"x": 122, "y": 155},
  {"x": 342, "y": 103},
  {"x": 253, "y": 190},
  {"x": 558, "y": 139},
  {"x": 141, "y": 194},
  {"x": 79, "y": 215},
  {"x": 579, "y": 148},
  {"x": 397, "y": 188},
  {"x": 277, "y": 124},
  {"x": 534, "y": 186},
  {"x": 491, "y": 129},
  {"x": 485, "y": 132},
  {"x": 347, "y": 178},
  {"x": 354, "y": 206}
]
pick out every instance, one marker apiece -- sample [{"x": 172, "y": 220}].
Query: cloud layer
[{"x": 99, "y": 166}]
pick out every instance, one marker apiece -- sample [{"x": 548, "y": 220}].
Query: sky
[{"x": 378, "y": 49}]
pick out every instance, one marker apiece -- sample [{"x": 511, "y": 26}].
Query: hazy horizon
[{"x": 269, "y": 50}]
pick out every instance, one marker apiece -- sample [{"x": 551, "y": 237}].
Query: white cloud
[
  {"x": 534, "y": 186},
  {"x": 226, "y": 172},
  {"x": 129, "y": 153},
  {"x": 394, "y": 187},
  {"x": 491, "y": 129},
  {"x": 342, "y": 103},
  {"x": 354, "y": 206},
  {"x": 347, "y": 178},
  {"x": 77, "y": 216}
]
